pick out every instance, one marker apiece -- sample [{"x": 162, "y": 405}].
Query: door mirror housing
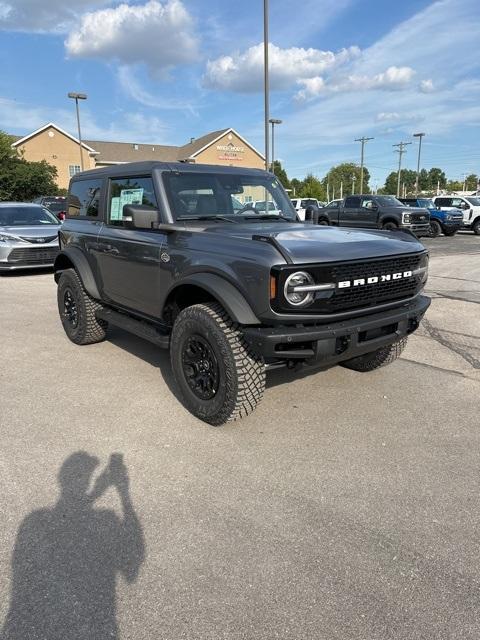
[{"x": 139, "y": 216}]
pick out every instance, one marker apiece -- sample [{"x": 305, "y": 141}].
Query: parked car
[
  {"x": 28, "y": 236},
  {"x": 447, "y": 222},
  {"x": 261, "y": 206},
  {"x": 306, "y": 207},
  {"x": 377, "y": 212},
  {"x": 469, "y": 205},
  {"x": 230, "y": 294},
  {"x": 56, "y": 204}
]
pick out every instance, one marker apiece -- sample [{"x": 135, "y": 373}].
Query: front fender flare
[
  {"x": 226, "y": 293},
  {"x": 82, "y": 267}
]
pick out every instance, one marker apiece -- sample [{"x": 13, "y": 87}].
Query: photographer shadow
[{"x": 66, "y": 558}]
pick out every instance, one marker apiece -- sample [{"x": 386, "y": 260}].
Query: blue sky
[{"x": 163, "y": 72}]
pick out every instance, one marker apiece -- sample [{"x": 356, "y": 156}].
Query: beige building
[{"x": 59, "y": 148}]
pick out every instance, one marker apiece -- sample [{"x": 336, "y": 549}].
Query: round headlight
[{"x": 296, "y": 289}]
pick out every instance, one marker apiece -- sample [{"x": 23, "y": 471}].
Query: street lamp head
[
  {"x": 418, "y": 135},
  {"x": 77, "y": 96},
  {"x": 275, "y": 121}
]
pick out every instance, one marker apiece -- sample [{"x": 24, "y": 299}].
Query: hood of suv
[{"x": 305, "y": 243}]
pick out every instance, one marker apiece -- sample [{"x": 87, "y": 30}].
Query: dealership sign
[{"x": 230, "y": 152}]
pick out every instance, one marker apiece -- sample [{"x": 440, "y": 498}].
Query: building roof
[
  {"x": 51, "y": 125},
  {"x": 113, "y": 152},
  {"x": 120, "y": 152}
]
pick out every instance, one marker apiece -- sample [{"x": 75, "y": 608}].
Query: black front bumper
[
  {"x": 417, "y": 228},
  {"x": 334, "y": 342}
]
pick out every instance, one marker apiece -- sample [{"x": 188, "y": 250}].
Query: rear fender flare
[{"x": 73, "y": 256}]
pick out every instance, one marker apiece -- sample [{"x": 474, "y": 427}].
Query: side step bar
[{"x": 140, "y": 328}]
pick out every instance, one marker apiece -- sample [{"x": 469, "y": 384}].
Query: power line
[{"x": 401, "y": 150}]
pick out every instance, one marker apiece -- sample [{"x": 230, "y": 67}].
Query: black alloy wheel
[
  {"x": 390, "y": 226},
  {"x": 435, "y": 229},
  {"x": 200, "y": 367},
  {"x": 70, "y": 308}
]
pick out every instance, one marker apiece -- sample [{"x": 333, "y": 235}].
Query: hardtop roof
[{"x": 148, "y": 166}]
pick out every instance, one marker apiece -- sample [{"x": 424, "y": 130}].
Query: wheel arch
[
  {"x": 208, "y": 287},
  {"x": 389, "y": 218},
  {"x": 73, "y": 258}
]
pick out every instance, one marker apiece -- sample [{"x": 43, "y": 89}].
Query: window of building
[
  {"x": 123, "y": 191},
  {"x": 73, "y": 169},
  {"x": 84, "y": 198}
]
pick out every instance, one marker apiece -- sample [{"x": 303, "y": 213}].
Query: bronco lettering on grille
[{"x": 358, "y": 282}]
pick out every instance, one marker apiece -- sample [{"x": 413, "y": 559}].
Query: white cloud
[
  {"x": 128, "y": 78},
  {"x": 426, "y": 86},
  {"x": 391, "y": 79},
  {"x": 42, "y": 15},
  {"x": 159, "y": 35},
  {"x": 243, "y": 72}
]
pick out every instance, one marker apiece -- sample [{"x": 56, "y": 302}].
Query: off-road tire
[
  {"x": 435, "y": 229},
  {"x": 476, "y": 227},
  {"x": 87, "y": 329},
  {"x": 378, "y": 358},
  {"x": 390, "y": 226},
  {"x": 450, "y": 234},
  {"x": 241, "y": 379},
  {"x": 323, "y": 222}
]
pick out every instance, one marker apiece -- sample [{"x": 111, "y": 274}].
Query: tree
[
  {"x": 436, "y": 177},
  {"x": 471, "y": 182},
  {"x": 296, "y": 186},
  {"x": 312, "y": 188},
  {"x": 340, "y": 179},
  {"x": 281, "y": 174},
  {"x": 21, "y": 180}
]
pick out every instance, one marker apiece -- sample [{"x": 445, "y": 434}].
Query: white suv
[
  {"x": 469, "y": 205},
  {"x": 302, "y": 204}
]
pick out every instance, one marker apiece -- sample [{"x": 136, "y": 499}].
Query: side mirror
[{"x": 139, "y": 216}]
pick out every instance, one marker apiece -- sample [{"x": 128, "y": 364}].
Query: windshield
[
  {"x": 474, "y": 201},
  {"x": 33, "y": 216},
  {"x": 426, "y": 203},
  {"x": 200, "y": 195},
  {"x": 388, "y": 201},
  {"x": 260, "y": 206},
  {"x": 56, "y": 207}
]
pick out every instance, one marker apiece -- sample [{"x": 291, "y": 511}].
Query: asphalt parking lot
[{"x": 346, "y": 507}]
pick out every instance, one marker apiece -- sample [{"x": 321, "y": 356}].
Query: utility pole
[
  {"x": 266, "y": 83},
  {"x": 401, "y": 150},
  {"x": 328, "y": 190},
  {"x": 363, "y": 140},
  {"x": 419, "y": 136},
  {"x": 464, "y": 181},
  {"x": 341, "y": 190},
  {"x": 354, "y": 177}
]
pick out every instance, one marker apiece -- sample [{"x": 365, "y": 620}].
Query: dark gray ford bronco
[{"x": 178, "y": 254}]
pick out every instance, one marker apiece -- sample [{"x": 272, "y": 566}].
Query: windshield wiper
[
  {"x": 269, "y": 216},
  {"x": 212, "y": 217}
]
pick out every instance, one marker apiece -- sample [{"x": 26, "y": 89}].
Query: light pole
[
  {"x": 273, "y": 122},
  {"x": 354, "y": 177},
  {"x": 363, "y": 140},
  {"x": 419, "y": 136},
  {"x": 77, "y": 97},
  {"x": 266, "y": 85}
]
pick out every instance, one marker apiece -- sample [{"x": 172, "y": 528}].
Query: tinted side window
[
  {"x": 84, "y": 198},
  {"x": 123, "y": 191},
  {"x": 352, "y": 202},
  {"x": 443, "y": 202}
]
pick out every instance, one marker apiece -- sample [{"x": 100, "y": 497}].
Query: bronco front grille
[
  {"x": 33, "y": 255},
  {"x": 349, "y": 298}
]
